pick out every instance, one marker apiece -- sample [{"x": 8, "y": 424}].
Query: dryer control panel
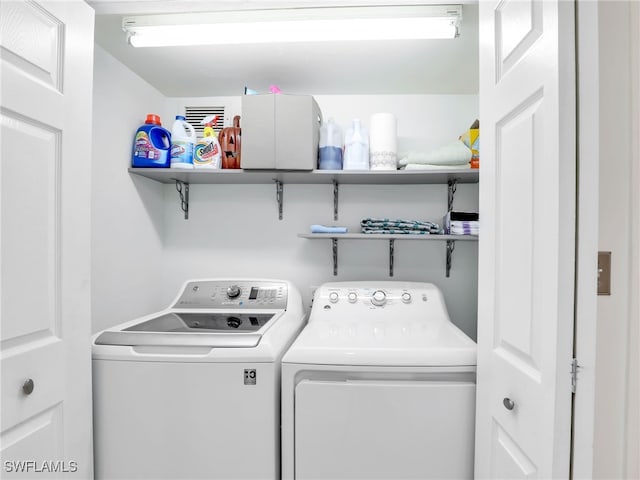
[
  {"x": 230, "y": 294},
  {"x": 377, "y": 300},
  {"x": 375, "y": 294}
]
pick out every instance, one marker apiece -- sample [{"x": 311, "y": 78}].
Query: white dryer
[
  {"x": 193, "y": 391},
  {"x": 379, "y": 385}
]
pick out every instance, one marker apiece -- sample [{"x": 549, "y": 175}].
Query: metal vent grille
[{"x": 194, "y": 116}]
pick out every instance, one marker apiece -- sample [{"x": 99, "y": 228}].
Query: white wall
[
  {"x": 610, "y": 423},
  {"x": 633, "y": 374},
  {"x": 127, "y": 211}
]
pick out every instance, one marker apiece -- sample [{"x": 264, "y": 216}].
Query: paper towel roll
[{"x": 383, "y": 141}]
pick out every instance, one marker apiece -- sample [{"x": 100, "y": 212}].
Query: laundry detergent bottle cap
[
  {"x": 207, "y": 153},
  {"x": 330, "y": 146},
  {"x": 152, "y": 118},
  {"x": 151, "y": 145},
  {"x": 182, "y": 143}
]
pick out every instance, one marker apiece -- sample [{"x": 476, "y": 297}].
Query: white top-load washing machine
[
  {"x": 193, "y": 391},
  {"x": 379, "y": 385}
]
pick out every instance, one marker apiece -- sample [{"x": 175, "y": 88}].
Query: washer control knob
[
  {"x": 333, "y": 297},
  {"x": 233, "y": 291},
  {"x": 379, "y": 298},
  {"x": 406, "y": 297},
  {"x": 352, "y": 297}
]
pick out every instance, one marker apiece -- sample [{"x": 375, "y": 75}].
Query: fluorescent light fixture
[{"x": 294, "y": 25}]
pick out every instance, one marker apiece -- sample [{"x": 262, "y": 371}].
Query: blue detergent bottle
[{"x": 151, "y": 145}]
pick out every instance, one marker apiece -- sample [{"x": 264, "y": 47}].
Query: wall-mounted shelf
[
  {"x": 183, "y": 178},
  {"x": 349, "y": 177},
  {"x": 391, "y": 238}
]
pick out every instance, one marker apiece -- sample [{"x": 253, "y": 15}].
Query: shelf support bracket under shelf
[
  {"x": 451, "y": 246},
  {"x": 452, "y": 185},
  {"x": 391, "y": 252},
  {"x": 183, "y": 191},
  {"x": 335, "y": 200},
  {"x": 334, "y": 247},
  {"x": 279, "y": 197}
]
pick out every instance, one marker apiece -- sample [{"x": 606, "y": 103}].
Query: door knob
[
  {"x": 508, "y": 403},
  {"x": 27, "y": 387}
]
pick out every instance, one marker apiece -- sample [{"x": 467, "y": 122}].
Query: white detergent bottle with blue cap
[{"x": 182, "y": 143}]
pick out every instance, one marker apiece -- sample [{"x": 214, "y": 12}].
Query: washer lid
[
  {"x": 391, "y": 342},
  {"x": 225, "y": 330}
]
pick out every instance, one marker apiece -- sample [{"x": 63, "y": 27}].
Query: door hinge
[{"x": 574, "y": 374}]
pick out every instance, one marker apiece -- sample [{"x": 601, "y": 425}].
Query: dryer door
[{"x": 384, "y": 429}]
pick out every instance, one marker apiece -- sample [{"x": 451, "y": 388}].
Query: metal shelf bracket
[
  {"x": 452, "y": 186},
  {"x": 451, "y": 246},
  {"x": 335, "y": 200},
  {"x": 391, "y": 252},
  {"x": 279, "y": 197},
  {"x": 334, "y": 247},
  {"x": 183, "y": 191}
]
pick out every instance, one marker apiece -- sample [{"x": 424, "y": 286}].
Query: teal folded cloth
[
  {"x": 325, "y": 229},
  {"x": 412, "y": 227}
]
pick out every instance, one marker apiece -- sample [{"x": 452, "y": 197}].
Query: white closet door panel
[
  {"x": 42, "y": 433},
  {"x": 30, "y": 221},
  {"x": 41, "y": 361},
  {"x": 33, "y": 41}
]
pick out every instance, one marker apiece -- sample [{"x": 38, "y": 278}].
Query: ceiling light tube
[{"x": 294, "y": 25}]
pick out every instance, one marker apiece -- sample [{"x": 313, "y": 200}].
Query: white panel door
[
  {"x": 45, "y": 117},
  {"x": 526, "y": 265}
]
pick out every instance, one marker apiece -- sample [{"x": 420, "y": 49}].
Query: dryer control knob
[
  {"x": 352, "y": 297},
  {"x": 333, "y": 297},
  {"x": 406, "y": 297},
  {"x": 379, "y": 298},
  {"x": 233, "y": 291}
]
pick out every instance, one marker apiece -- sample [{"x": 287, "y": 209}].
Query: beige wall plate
[{"x": 604, "y": 273}]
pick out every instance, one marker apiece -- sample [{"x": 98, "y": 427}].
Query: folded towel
[
  {"x": 384, "y": 225},
  {"x": 325, "y": 229},
  {"x": 424, "y": 166},
  {"x": 395, "y": 231},
  {"x": 461, "y": 223},
  {"x": 456, "y": 153},
  {"x": 464, "y": 228}
]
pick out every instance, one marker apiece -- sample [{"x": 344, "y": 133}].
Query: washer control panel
[{"x": 230, "y": 294}]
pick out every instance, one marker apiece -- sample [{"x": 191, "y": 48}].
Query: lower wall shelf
[{"x": 450, "y": 239}]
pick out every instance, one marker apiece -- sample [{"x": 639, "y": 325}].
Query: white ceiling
[{"x": 391, "y": 67}]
